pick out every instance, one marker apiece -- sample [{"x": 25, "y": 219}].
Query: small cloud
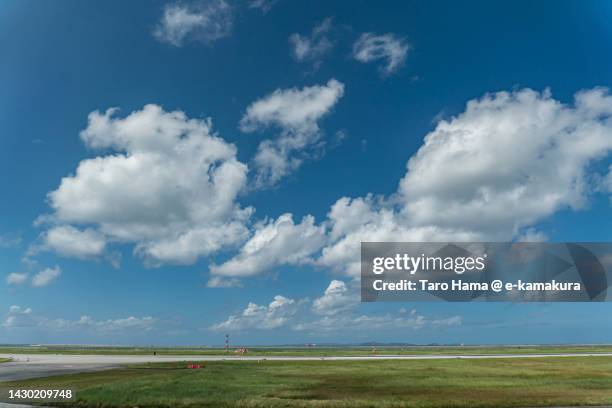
[
  {"x": 364, "y": 145},
  {"x": 337, "y": 299},
  {"x": 340, "y": 136},
  {"x": 46, "y": 276},
  {"x": 18, "y": 316},
  {"x": 404, "y": 311},
  {"x": 9, "y": 240},
  {"x": 314, "y": 47},
  {"x": 276, "y": 314},
  {"x": 204, "y": 21},
  {"x": 221, "y": 282},
  {"x": 532, "y": 235},
  {"x": 16, "y": 278},
  {"x": 297, "y": 113},
  {"x": 263, "y": 5},
  {"x": 371, "y": 47},
  {"x": 114, "y": 258}
]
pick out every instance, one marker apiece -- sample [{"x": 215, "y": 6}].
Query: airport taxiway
[{"x": 25, "y": 366}]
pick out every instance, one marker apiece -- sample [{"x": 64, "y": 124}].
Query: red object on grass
[{"x": 194, "y": 366}]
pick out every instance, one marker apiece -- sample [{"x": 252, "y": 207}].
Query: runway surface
[{"x": 26, "y": 366}]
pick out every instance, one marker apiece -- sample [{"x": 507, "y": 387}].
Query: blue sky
[{"x": 174, "y": 225}]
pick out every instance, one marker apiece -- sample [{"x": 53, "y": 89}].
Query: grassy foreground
[
  {"x": 4, "y": 360},
  {"x": 313, "y": 351},
  {"x": 409, "y": 383}
]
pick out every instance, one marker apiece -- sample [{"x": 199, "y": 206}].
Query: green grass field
[
  {"x": 385, "y": 383},
  {"x": 4, "y": 360},
  {"x": 315, "y": 351}
]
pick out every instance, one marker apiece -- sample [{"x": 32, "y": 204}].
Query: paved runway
[{"x": 43, "y": 365}]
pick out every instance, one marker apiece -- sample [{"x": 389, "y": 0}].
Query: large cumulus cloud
[
  {"x": 162, "y": 181},
  {"x": 493, "y": 172}
]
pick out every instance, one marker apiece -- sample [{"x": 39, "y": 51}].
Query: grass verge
[{"x": 410, "y": 383}]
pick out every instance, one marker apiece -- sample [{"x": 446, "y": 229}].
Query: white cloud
[
  {"x": 312, "y": 48},
  {"x": 18, "y": 317},
  {"x": 16, "y": 278},
  {"x": 276, "y": 314},
  {"x": 607, "y": 184},
  {"x": 360, "y": 323},
  {"x": 223, "y": 282},
  {"x": 371, "y": 47},
  {"x": 296, "y": 112},
  {"x": 337, "y": 299},
  {"x": 508, "y": 161},
  {"x": 532, "y": 235},
  {"x": 370, "y": 219},
  {"x": 204, "y": 21},
  {"x": 263, "y": 5},
  {"x": 46, "y": 276},
  {"x": 9, "y": 240},
  {"x": 17, "y": 309},
  {"x": 338, "y": 306},
  {"x": 273, "y": 243},
  {"x": 72, "y": 242},
  {"x": 121, "y": 324},
  {"x": 167, "y": 184}
]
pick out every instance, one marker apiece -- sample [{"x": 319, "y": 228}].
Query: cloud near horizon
[
  {"x": 338, "y": 305},
  {"x": 19, "y": 317},
  {"x": 278, "y": 313}
]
